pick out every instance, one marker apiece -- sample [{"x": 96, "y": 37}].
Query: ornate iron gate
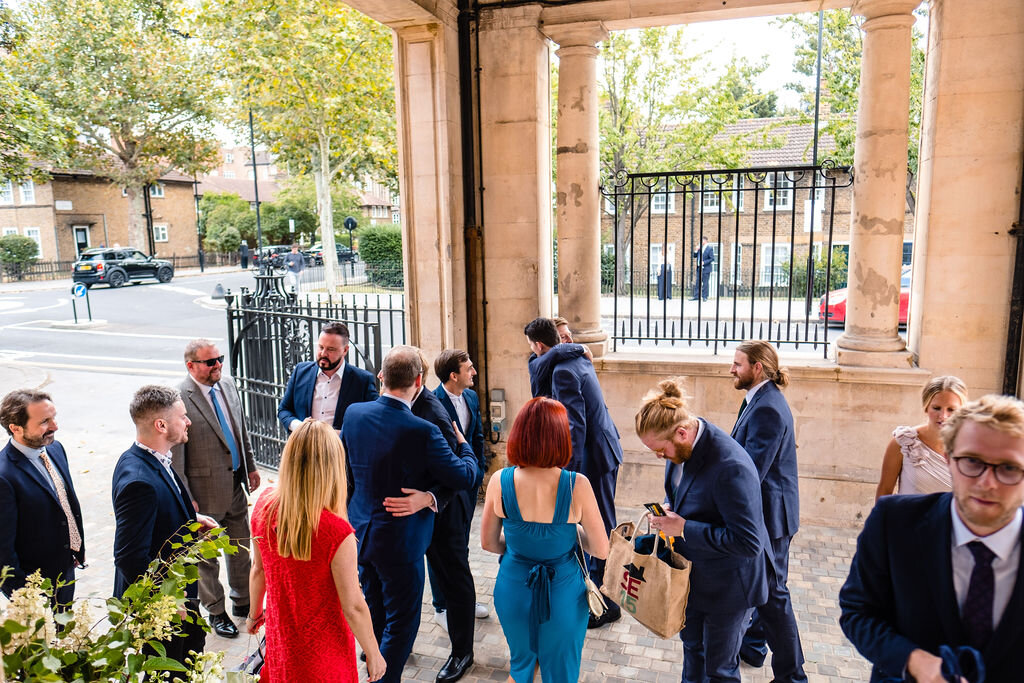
[{"x": 268, "y": 334}]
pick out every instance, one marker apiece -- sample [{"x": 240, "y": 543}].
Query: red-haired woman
[{"x": 539, "y": 594}]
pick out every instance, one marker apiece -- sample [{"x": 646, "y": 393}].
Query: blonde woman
[
  {"x": 304, "y": 563},
  {"x": 915, "y": 457}
]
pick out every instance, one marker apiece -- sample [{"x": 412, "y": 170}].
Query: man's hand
[
  {"x": 206, "y": 523},
  {"x": 254, "y": 480},
  {"x": 924, "y": 667},
  {"x": 458, "y": 434},
  {"x": 671, "y": 523},
  {"x": 409, "y": 504}
]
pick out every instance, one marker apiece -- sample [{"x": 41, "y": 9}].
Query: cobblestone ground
[{"x": 622, "y": 651}]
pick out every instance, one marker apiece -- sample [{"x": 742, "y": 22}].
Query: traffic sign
[{"x": 79, "y": 290}]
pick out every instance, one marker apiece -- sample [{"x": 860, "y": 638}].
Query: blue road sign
[{"x": 79, "y": 290}]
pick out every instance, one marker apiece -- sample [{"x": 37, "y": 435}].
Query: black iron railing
[{"x": 775, "y": 252}]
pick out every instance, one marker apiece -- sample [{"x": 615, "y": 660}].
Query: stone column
[
  {"x": 880, "y": 171},
  {"x": 577, "y": 197}
]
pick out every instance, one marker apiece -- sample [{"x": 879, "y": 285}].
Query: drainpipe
[{"x": 1011, "y": 367}]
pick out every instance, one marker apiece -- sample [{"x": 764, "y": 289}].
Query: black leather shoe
[
  {"x": 240, "y": 610},
  {"x": 754, "y": 659},
  {"x": 455, "y": 668},
  {"x": 362, "y": 656},
  {"x": 608, "y": 617},
  {"x": 223, "y": 626}
]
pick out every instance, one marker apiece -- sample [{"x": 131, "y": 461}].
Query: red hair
[{"x": 540, "y": 435}]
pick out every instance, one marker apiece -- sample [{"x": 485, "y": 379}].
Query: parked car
[
  {"x": 345, "y": 255},
  {"x": 274, "y": 254},
  {"x": 115, "y": 267},
  {"x": 837, "y": 302}
]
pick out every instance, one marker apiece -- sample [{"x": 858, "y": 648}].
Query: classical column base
[
  {"x": 595, "y": 340},
  {"x": 875, "y": 359}
]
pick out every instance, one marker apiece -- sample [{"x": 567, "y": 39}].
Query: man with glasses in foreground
[
  {"x": 217, "y": 465},
  {"x": 944, "y": 569}
]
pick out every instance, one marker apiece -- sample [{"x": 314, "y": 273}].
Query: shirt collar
[
  {"x": 205, "y": 388},
  {"x": 1001, "y": 542},
  {"x": 700, "y": 432},
  {"x": 163, "y": 458},
  {"x": 453, "y": 397},
  {"x": 320, "y": 372},
  {"x": 407, "y": 404},
  {"x": 753, "y": 390},
  {"x": 27, "y": 451}
]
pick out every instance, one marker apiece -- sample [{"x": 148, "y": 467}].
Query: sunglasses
[{"x": 219, "y": 360}]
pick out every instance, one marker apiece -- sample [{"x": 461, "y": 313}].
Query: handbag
[
  {"x": 595, "y": 602},
  {"x": 251, "y": 666},
  {"x": 652, "y": 586}
]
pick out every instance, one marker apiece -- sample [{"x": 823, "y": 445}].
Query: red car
[{"x": 837, "y": 302}]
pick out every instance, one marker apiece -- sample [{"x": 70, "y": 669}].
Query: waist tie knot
[{"x": 539, "y": 581}]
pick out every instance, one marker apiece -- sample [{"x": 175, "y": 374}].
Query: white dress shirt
[
  {"x": 325, "y": 394},
  {"x": 461, "y": 409},
  {"x": 1005, "y": 543}
]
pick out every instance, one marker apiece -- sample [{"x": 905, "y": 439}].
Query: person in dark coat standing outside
[
  {"x": 705, "y": 256},
  {"x": 243, "y": 254},
  {"x": 764, "y": 427}
]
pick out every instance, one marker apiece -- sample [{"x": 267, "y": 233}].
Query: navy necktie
[
  {"x": 225, "y": 427},
  {"x": 977, "y": 610}
]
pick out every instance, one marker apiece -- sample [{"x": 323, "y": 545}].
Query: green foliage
[
  {"x": 41, "y": 645},
  {"x": 380, "y": 247},
  {"x": 18, "y": 249},
  {"x": 838, "y": 274},
  {"x": 226, "y": 219},
  {"x": 298, "y": 197},
  {"x": 222, "y": 238}
]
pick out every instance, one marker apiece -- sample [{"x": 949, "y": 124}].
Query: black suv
[{"x": 117, "y": 266}]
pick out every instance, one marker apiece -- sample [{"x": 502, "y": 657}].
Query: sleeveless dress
[
  {"x": 924, "y": 470},
  {"x": 539, "y": 594},
  {"x": 308, "y": 638}
]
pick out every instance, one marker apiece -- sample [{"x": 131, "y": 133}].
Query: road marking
[
  {"x": 105, "y": 369},
  {"x": 181, "y": 290},
  {"x": 29, "y": 325},
  {"x": 15, "y": 354},
  {"x": 60, "y": 302}
]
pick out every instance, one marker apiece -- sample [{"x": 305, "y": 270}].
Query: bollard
[{"x": 218, "y": 292}]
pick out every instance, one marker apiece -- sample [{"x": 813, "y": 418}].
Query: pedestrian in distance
[{"x": 294, "y": 263}]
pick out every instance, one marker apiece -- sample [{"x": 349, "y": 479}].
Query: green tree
[
  {"x": 222, "y": 238},
  {"x": 139, "y": 98},
  {"x": 317, "y": 76},
  {"x": 298, "y": 195},
  {"x": 661, "y": 112},
  {"x": 224, "y": 212},
  {"x": 380, "y": 247},
  {"x": 841, "y": 47}
]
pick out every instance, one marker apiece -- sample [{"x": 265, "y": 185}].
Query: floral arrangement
[{"x": 40, "y": 643}]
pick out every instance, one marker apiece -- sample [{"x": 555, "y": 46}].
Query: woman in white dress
[{"x": 915, "y": 456}]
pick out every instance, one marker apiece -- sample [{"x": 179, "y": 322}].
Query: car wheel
[
  {"x": 164, "y": 274},
  {"x": 117, "y": 278}
]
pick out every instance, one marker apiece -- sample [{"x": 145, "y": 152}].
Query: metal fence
[
  {"x": 356, "y": 276},
  {"x": 59, "y": 270},
  {"x": 211, "y": 259},
  {"x": 269, "y": 333},
  {"x": 771, "y": 254}
]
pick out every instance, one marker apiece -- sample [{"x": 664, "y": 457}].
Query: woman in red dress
[{"x": 304, "y": 562}]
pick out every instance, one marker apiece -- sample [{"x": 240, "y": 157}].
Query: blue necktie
[{"x": 226, "y": 428}]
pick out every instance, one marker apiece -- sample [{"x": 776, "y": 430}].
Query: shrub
[
  {"x": 380, "y": 247},
  {"x": 16, "y": 252}
]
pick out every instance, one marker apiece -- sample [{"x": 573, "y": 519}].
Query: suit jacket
[
  {"x": 765, "y": 430},
  {"x": 595, "y": 440},
  {"x": 34, "y": 531},
  {"x": 473, "y": 432},
  {"x": 719, "y": 496},
  {"x": 204, "y": 461},
  {"x": 390, "y": 448},
  {"x": 707, "y": 259},
  {"x": 357, "y": 386},
  {"x": 148, "y": 513},
  {"x": 899, "y": 595}
]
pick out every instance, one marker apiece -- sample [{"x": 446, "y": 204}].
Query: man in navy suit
[
  {"x": 152, "y": 505},
  {"x": 764, "y": 428},
  {"x": 325, "y": 389},
  {"x": 391, "y": 451},
  {"x": 715, "y": 517},
  {"x": 944, "y": 568},
  {"x": 596, "y": 451},
  {"x": 42, "y": 520},
  {"x": 705, "y": 256}
]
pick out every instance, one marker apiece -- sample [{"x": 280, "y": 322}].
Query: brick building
[{"x": 76, "y": 210}]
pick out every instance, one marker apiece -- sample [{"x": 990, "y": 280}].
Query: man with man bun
[
  {"x": 764, "y": 427},
  {"x": 714, "y": 516}
]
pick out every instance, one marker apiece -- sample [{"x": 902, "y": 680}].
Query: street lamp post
[
  {"x": 199, "y": 230},
  {"x": 350, "y": 225},
  {"x": 256, "y": 195}
]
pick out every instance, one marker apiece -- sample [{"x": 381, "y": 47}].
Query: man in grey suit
[{"x": 218, "y": 466}]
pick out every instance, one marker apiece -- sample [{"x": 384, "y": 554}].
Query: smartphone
[{"x": 655, "y": 509}]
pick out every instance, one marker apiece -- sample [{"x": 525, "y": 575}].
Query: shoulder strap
[
  {"x": 508, "y": 494},
  {"x": 563, "y": 499}
]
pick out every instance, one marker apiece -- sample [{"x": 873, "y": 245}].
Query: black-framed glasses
[
  {"x": 1005, "y": 473},
  {"x": 211, "y": 362}
]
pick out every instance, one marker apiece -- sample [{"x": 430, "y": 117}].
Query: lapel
[
  {"x": 1009, "y": 632},
  {"x": 151, "y": 462},
  {"x": 933, "y": 536},
  {"x": 474, "y": 411},
  {"x": 195, "y": 395},
  {"x": 693, "y": 466},
  {"x": 308, "y": 386},
  {"x": 20, "y": 461},
  {"x": 761, "y": 394},
  {"x": 442, "y": 396},
  {"x": 348, "y": 394}
]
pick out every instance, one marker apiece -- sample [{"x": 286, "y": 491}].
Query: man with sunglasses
[
  {"x": 944, "y": 569},
  {"x": 217, "y": 464}
]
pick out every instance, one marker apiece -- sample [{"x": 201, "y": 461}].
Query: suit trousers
[
  {"x": 711, "y": 645},
  {"x": 774, "y": 623},
  {"x": 448, "y": 565},
  {"x": 394, "y": 593},
  {"x": 211, "y": 592},
  {"x": 437, "y": 598}
]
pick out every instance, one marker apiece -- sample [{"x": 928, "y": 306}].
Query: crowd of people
[{"x": 377, "y": 490}]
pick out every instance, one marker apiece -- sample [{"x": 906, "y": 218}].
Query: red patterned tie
[{"x": 977, "y": 610}]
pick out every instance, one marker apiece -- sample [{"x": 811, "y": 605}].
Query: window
[
  {"x": 661, "y": 200},
  {"x": 657, "y": 259},
  {"x": 6, "y": 192},
  {"x": 774, "y": 269},
  {"x": 785, "y": 191},
  {"x": 34, "y": 234},
  {"x": 229, "y": 158},
  {"x": 229, "y": 174},
  {"x": 396, "y": 216},
  {"x": 731, "y": 191},
  {"x": 28, "y": 192},
  {"x": 249, "y": 174},
  {"x": 710, "y": 201},
  {"x": 908, "y": 252},
  {"x": 156, "y": 190},
  {"x": 159, "y": 232},
  {"x": 10, "y": 231},
  {"x": 734, "y": 253}
]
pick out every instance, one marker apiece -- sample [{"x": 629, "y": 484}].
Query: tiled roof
[
  {"x": 171, "y": 176},
  {"x": 243, "y": 187},
  {"x": 789, "y": 141}
]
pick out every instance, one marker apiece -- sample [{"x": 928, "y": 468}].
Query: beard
[
  {"x": 681, "y": 452},
  {"x": 326, "y": 365},
  {"x": 743, "y": 381},
  {"x": 44, "y": 439}
]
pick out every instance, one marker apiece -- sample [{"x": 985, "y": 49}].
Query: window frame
[
  {"x": 157, "y": 228},
  {"x": 30, "y": 197},
  {"x": 6, "y": 192},
  {"x": 781, "y": 274},
  {"x": 37, "y": 237},
  {"x": 785, "y": 188}
]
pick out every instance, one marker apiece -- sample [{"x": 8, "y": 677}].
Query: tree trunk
[
  {"x": 325, "y": 209},
  {"x": 911, "y": 199},
  {"x": 137, "y": 225}
]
